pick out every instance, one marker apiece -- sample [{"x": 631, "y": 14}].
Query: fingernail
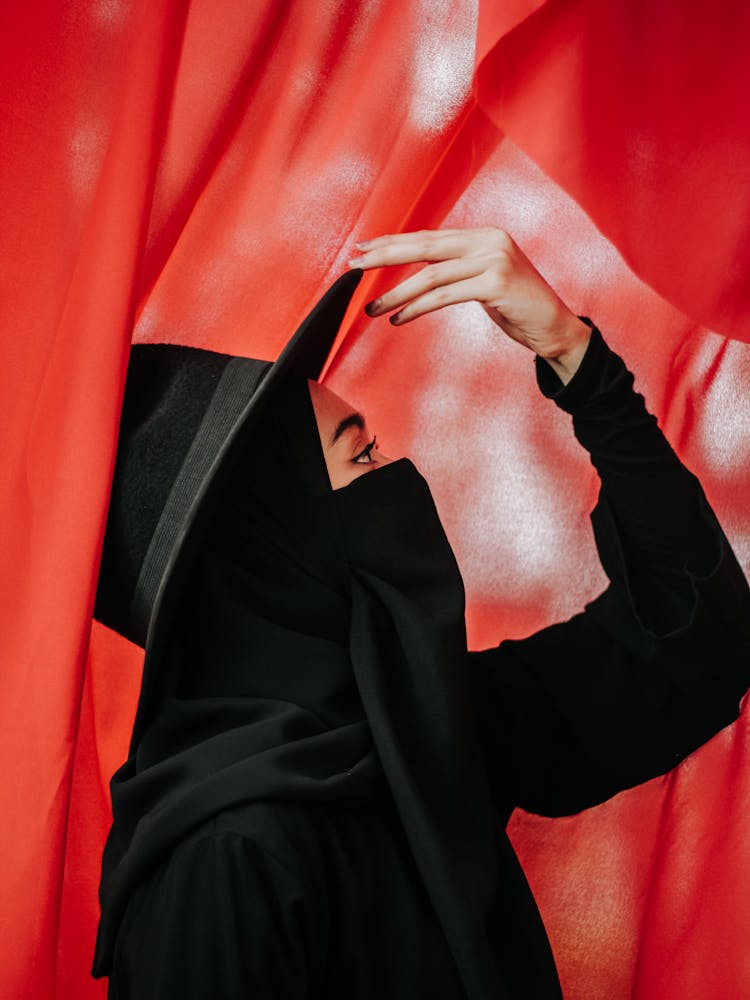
[
  {"x": 372, "y": 307},
  {"x": 395, "y": 319},
  {"x": 355, "y": 261},
  {"x": 363, "y": 245}
]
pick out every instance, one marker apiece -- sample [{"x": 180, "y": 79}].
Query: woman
[{"x": 320, "y": 774}]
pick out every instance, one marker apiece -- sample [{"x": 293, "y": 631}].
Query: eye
[{"x": 364, "y": 456}]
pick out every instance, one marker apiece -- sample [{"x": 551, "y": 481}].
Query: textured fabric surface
[
  {"x": 284, "y": 899},
  {"x": 641, "y": 152},
  {"x": 322, "y": 635},
  {"x": 199, "y": 173}
]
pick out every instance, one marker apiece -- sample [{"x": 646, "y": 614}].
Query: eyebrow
[{"x": 352, "y": 420}]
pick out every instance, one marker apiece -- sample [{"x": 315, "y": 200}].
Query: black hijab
[{"x": 319, "y": 653}]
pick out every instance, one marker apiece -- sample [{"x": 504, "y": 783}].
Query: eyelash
[{"x": 366, "y": 451}]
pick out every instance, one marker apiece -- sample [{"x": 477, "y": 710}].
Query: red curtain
[{"x": 199, "y": 173}]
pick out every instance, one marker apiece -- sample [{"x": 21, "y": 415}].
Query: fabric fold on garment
[
  {"x": 258, "y": 699},
  {"x": 319, "y": 655},
  {"x": 408, "y": 649}
]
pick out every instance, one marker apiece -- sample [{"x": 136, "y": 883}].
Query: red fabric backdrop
[{"x": 199, "y": 173}]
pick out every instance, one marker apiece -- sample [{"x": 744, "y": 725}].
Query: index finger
[{"x": 410, "y": 248}]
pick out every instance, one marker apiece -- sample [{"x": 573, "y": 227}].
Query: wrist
[{"x": 565, "y": 358}]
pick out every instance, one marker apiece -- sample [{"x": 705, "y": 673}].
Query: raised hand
[{"x": 483, "y": 265}]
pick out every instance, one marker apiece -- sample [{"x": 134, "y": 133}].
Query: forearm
[{"x": 657, "y": 503}]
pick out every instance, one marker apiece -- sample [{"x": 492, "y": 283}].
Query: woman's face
[{"x": 349, "y": 448}]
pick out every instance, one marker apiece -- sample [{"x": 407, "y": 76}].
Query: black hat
[{"x": 186, "y": 411}]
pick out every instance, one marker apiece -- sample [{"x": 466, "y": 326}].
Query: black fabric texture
[
  {"x": 240, "y": 381},
  {"x": 653, "y": 666},
  {"x": 408, "y": 652},
  {"x": 160, "y": 377},
  {"x": 211, "y": 745},
  {"x": 320, "y": 654},
  {"x": 284, "y": 900},
  {"x": 318, "y": 809},
  {"x": 185, "y": 412}
]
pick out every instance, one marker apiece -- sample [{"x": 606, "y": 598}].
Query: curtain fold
[
  {"x": 639, "y": 114},
  {"x": 84, "y": 126}
]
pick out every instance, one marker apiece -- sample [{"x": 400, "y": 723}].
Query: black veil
[{"x": 319, "y": 653}]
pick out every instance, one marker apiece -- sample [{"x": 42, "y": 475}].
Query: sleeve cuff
[{"x": 587, "y": 377}]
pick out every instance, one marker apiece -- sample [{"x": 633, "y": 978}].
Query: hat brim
[
  {"x": 307, "y": 350},
  {"x": 304, "y": 354}
]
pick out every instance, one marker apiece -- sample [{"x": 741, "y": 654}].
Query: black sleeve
[{"x": 659, "y": 661}]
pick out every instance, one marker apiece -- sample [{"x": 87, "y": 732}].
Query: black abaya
[{"x": 287, "y": 898}]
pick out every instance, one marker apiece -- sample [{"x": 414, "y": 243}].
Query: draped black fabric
[
  {"x": 315, "y": 717},
  {"x": 319, "y": 655},
  {"x": 408, "y": 648}
]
